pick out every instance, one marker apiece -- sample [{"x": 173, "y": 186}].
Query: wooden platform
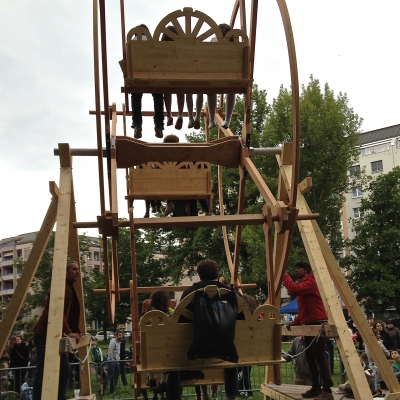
[{"x": 293, "y": 392}]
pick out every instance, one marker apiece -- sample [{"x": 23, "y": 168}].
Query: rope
[{"x": 312, "y": 341}]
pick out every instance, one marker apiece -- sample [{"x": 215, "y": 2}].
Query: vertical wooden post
[
  {"x": 75, "y": 254},
  {"x": 57, "y": 293}
]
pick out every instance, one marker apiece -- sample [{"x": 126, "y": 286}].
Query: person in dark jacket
[
  {"x": 311, "y": 312},
  {"x": 19, "y": 358},
  {"x": 300, "y": 364},
  {"x": 394, "y": 334},
  {"x": 387, "y": 341},
  {"x": 70, "y": 328}
]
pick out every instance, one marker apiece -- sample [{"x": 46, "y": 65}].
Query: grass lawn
[{"x": 257, "y": 377}]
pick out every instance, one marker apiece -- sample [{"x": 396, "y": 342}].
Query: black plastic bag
[{"x": 214, "y": 327}]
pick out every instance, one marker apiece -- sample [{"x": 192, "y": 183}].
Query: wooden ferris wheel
[{"x": 190, "y": 63}]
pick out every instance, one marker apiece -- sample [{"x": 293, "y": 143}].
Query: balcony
[
  {"x": 7, "y": 275},
  {"x": 7, "y": 261}
]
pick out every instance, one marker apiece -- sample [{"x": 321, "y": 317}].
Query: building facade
[
  {"x": 379, "y": 154},
  {"x": 19, "y": 248}
]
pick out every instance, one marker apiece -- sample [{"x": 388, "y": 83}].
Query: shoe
[
  {"x": 211, "y": 125},
  {"x": 138, "y": 133},
  {"x": 179, "y": 123},
  {"x": 146, "y": 215},
  {"x": 191, "y": 123},
  {"x": 159, "y": 132},
  {"x": 225, "y": 124},
  {"x": 243, "y": 394},
  {"x": 311, "y": 393},
  {"x": 170, "y": 121},
  {"x": 152, "y": 381},
  {"x": 196, "y": 124},
  {"x": 325, "y": 396}
]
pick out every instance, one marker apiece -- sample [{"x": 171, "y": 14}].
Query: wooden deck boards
[{"x": 293, "y": 392}]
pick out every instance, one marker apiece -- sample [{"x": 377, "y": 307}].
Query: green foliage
[
  {"x": 374, "y": 261},
  {"x": 328, "y": 135}
]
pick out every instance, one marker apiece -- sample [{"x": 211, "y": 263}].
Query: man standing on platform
[
  {"x": 70, "y": 328},
  {"x": 311, "y": 312}
]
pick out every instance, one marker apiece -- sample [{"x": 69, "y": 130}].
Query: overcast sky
[{"x": 47, "y": 89}]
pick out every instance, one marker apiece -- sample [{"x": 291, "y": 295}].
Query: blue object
[{"x": 290, "y": 308}]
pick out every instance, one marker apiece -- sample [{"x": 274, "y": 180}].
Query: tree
[
  {"x": 374, "y": 261},
  {"x": 329, "y": 131}
]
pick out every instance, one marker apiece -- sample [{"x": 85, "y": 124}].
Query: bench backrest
[
  {"x": 190, "y": 63},
  {"x": 170, "y": 181},
  {"x": 164, "y": 341}
]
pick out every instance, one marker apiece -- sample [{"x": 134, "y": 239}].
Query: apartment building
[
  {"x": 379, "y": 153},
  {"x": 19, "y": 248}
]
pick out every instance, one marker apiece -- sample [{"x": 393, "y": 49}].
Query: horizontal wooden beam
[
  {"x": 187, "y": 222},
  {"x": 151, "y": 289},
  {"x": 151, "y": 113},
  {"x": 83, "y": 341},
  {"x": 310, "y": 330}
]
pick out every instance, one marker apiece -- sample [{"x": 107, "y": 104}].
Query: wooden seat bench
[
  {"x": 164, "y": 341},
  {"x": 188, "y": 64}
]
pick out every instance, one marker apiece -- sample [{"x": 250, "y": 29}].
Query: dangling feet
[
  {"x": 138, "y": 132},
  {"x": 191, "y": 123},
  {"x": 158, "y": 131},
  {"x": 170, "y": 120},
  {"x": 211, "y": 124},
  {"x": 196, "y": 124},
  {"x": 325, "y": 396},
  {"x": 179, "y": 123},
  {"x": 225, "y": 124}
]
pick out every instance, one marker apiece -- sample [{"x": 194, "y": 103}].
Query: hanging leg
[
  {"x": 180, "y": 97},
  {"x": 189, "y": 105},
  {"x": 212, "y": 107},
  {"x": 168, "y": 105},
  {"x": 230, "y": 106},
  {"x": 199, "y": 107}
]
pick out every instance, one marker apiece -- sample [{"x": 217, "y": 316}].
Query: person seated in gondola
[{"x": 136, "y": 99}]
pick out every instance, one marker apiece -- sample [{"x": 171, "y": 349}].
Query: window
[
  {"x": 376, "y": 166},
  {"x": 356, "y": 213},
  {"x": 96, "y": 256},
  {"x": 356, "y": 192},
  {"x": 355, "y": 169}
]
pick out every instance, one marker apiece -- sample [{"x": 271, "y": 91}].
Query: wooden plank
[
  {"x": 131, "y": 152},
  {"x": 83, "y": 342},
  {"x": 335, "y": 314},
  {"x": 310, "y": 330},
  {"x": 75, "y": 254},
  {"x": 238, "y": 236},
  {"x": 28, "y": 273},
  {"x": 65, "y": 155},
  {"x": 57, "y": 294},
  {"x": 356, "y": 313},
  {"x": 151, "y": 289},
  {"x": 305, "y": 185}
]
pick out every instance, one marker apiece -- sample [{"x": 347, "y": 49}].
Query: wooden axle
[{"x": 186, "y": 222}]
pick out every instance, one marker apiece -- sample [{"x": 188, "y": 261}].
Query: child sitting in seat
[{"x": 159, "y": 300}]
